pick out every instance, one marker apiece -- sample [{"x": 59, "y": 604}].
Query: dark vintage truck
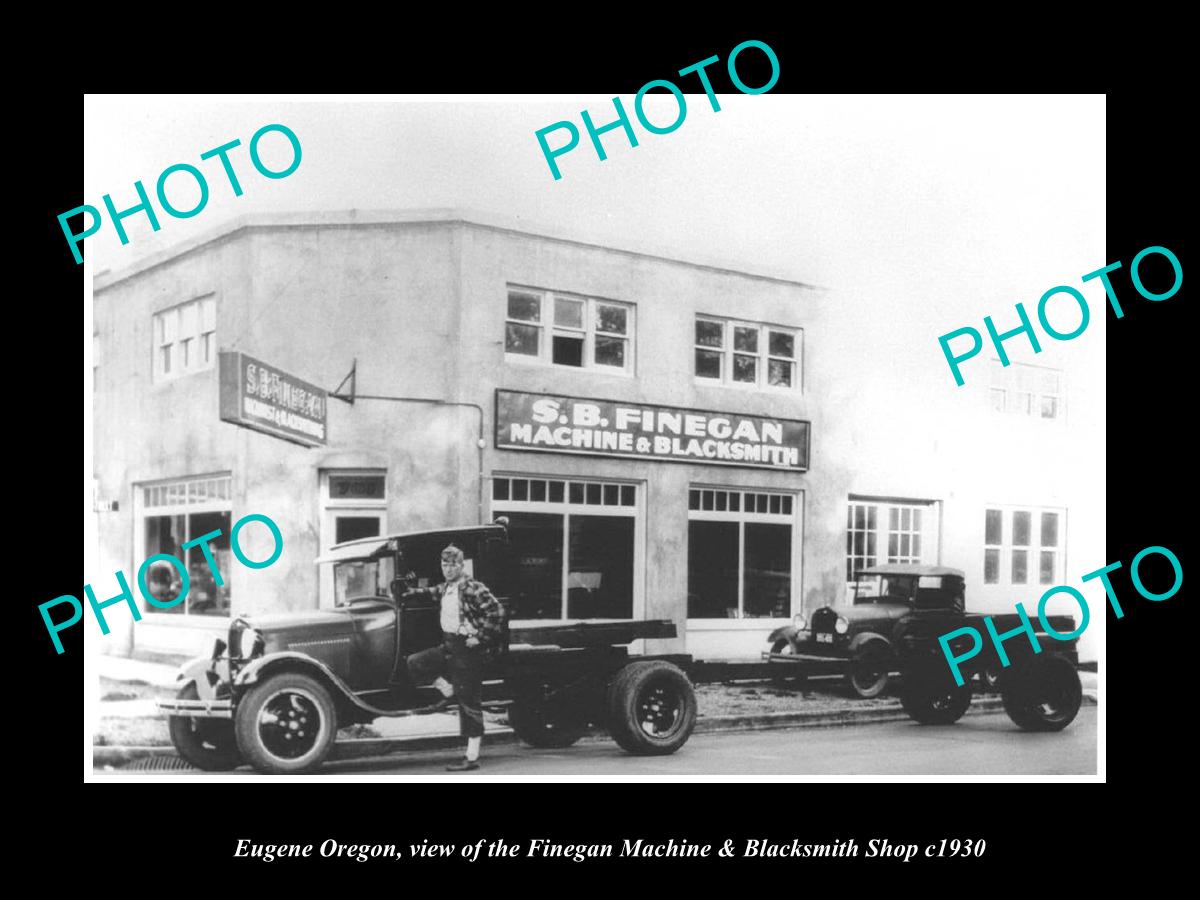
[
  {"x": 276, "y": 692},
  {"x": 893, "y": 625}
]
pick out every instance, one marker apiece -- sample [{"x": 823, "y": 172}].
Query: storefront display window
[
  {"x": 740, "y": 554},
  {"x": 573, "y": 547},
  {"x": 174, "y": 514}
]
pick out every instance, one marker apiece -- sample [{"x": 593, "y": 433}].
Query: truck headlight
[
  {"x": 250, "y": 642},
  {"x": 841, "y": 626},
  {"x": 799, "y": 622}
]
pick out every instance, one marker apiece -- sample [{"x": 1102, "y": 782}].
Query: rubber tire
[
  {"x": 533, "y": 723},
  {"x": 207, "y": 744},
  {"x": 877, "y": 687},
  {"x": 799, "y": 680},
  {"x": 931, "y": 699},
  {"x": 627, "y": 686},
  {"x": 246, "y": 719},
  {"x": 1024, "y": 687}
]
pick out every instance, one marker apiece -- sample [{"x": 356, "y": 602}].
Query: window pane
[
  {"x": 906, "y": 518},
  {"x": 779, "y": 374},
  {"x": 189, "y": 318},
  {"x": 735, "y": 501},
  {"x": 576, "y": 492},
  {"x": 351, "y": 528},
  {"x": 1046, "y": 568},
  {"x": 208, "y": 315},
  {"x": 1021, "y": 402},
  {"x": 745, "y": 368},
  {"x": 712, "y": 570},
  {"x": 600, "y": 567},
  {"x": 1021, "y": 523},
  {"x": 722, "y": 501},
  {"x": 568, "y": 313},
  {"x": 787, "y": 504},
  {"x": 537, "y": 491},
  {"x": 991, "y": 566},
  {"x": 993, "y": 527},
  {"x": 1020, "y": 566},
  {"x": 708, "y": 364},
  {"x": 707, "y": 500},
  {"x": 916, "y": 547},
  {"x": 893, "y": 518},
  {"x": 593, "y": 495},
  {"x": 520, "y": 489},
  {"x": 165, "y": 534},
  {"x": 782, "y": 344},
  {"x": 628, "y": 497},
  {"x": 521, "y": 339},
  {"x": 893, "y": 546},
  {"x": 568, "y": 351},
  {"x": 776, "y": 504},
  {"x": 612, "y": 493},
  {"x": 710, "y": 334},
  {"x": 535, "y": 541},
  {"x": 612, "y": 319},
  {"x": 610, "y": 352},
  {"x": 1049, "y": 529},
  {"x": 1049, "y": 408},
  {"x": 356, "y": 487},
  {"x": 205, "y": 598},
  {"x": 693, "y": 499},
  {"x": 745, "y": 339},
  {"x": 166, "y": 359},
  {"x": 500, "y": 489},
  {"x": 768, "y": 575},
  {"x": 525, "y": 307},
  {"x": 871, "y": 517},
  {"x": 556, "y": 491}
]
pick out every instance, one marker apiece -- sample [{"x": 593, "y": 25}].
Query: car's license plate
[{"x": 824, "y": 638}]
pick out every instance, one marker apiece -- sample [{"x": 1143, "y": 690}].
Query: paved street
[{"x": 978, "y": 745}]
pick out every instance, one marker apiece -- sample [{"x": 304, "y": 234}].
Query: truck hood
[
  {"x": 309, "y": 623},
  {"x": 863, "y": 611}
]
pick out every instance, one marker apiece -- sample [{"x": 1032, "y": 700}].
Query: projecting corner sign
[
  {"x": 256, "y": 395},
  {"x": 556, "y": 424}
]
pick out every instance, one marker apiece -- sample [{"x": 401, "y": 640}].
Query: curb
[{"x": 360, "y": 748}]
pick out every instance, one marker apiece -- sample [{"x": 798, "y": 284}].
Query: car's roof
[
  {"x": 910, "y": 569},
  {"x": 370, "y": 547}
]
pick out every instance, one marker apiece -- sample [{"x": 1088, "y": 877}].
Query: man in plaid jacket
[{"x": 472, "y": 625}]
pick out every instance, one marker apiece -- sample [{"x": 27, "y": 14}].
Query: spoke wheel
[
  {"x": 207, "y": 744},
  {"x": 651, "y": 707}
]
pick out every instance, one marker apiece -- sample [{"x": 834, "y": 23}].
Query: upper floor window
[
  {"x": 747, "y": 353},
  {"x": 185, "y": 338},
  {"x": 569, "y": 330},
  {"x": 1023, "y": 546},
  {"x": 1026, "y": 390}
]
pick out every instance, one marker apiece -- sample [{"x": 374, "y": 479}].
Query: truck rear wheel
[
  {"x": 931, "y": 698},
  {"x": 286, "y": 724},
  {"x": 207, "y": 744},
  {"x": 651, "y": 708},
  {"x": 1044, "y": 693},
  {"x": 544, "y": 721}
]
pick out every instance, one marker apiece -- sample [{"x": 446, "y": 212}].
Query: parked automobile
[
  {"x": 276, "y": 692},
  {"x": 857, "y": 639}
]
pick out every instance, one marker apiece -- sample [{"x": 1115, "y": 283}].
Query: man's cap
[{"x": 452, "y": 555}]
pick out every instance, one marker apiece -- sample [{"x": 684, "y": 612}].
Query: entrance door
[{"x": 353, "y": 506}]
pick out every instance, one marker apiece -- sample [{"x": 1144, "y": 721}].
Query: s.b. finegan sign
[
  {"x": 267, "y": 399},
  {"x": 558, "y": 424}
]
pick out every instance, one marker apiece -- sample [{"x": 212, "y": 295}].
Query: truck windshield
[
  {"x": 884, "y": 589},
  {"x": 362, "y": 578}
]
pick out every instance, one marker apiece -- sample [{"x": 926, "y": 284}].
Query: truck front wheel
[
  {"x": 207, "y": 744},
  {"x": 651, "y": 708},
  {"x": 1043, "y": 694},
  {"x": 286, "y": 724}
]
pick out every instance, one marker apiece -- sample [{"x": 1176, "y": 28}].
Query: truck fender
[
  {"x": 860, "y": 642},
  {"x": 292, "y": 661},
  {"x": 787, "y": 631},
  {"x": 201, "y": 672}
]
